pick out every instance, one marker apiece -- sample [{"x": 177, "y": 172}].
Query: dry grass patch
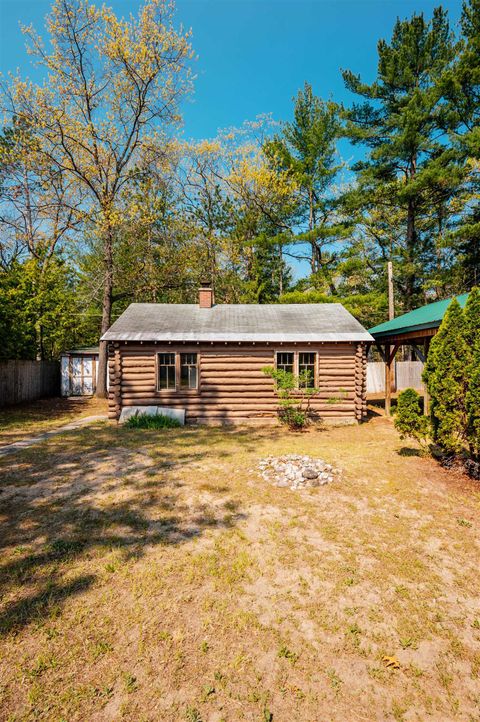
[
  {"x": 153, "y": 575},
  {"x": 24, "y": 420}
]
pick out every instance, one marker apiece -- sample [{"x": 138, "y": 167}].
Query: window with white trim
[
  {"x": 285, "y": 361},
  {"x": 188, "y": 371},
  {"x": 298, "y": 362},
  {"x": 166, "y": 371},
  {"x": 306, "y": 364},
  {"x": 177, "y": 371}
]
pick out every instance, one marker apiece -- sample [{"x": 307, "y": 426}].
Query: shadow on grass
[
  {"x": 42, "y": 605},
  {"x": 377, "y": 406},
  {"x": 409, "y": 451},
  {"x": 46, "y": 410},
  {"x": 98, "y": 490}
]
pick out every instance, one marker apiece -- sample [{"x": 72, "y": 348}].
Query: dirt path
[{"x": 32, "y": 440}]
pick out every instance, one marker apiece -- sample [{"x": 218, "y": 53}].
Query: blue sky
[{"x": 253, "y": 55}]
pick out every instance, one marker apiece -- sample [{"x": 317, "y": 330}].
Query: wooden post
[
  {"x": 389, "y": 357},
  {"x": 388, "y": 381},
  {"x": 390, "y": 354}
]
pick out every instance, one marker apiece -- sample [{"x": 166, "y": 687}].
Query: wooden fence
[
  {"x": 408, "y": 374},
  {"x": 28, "y": 380}
]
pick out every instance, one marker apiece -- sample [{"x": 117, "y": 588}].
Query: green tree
[
  {"x": 269, "y": 274},
  {"x": 113, "y": 84},
  {"x": 461, "y": 87},
  {"x": 409, "y": 418},
  {"x": 405, "y": 184},
  {"x": 472, "y": 338},
  {"x": 39, "y": 314},
  {"x": 295, "y": 392},
  {"x": 306, "y": 148},
  {"x": 461, "y": 84},
  {"x": 446, "y": 379},
  {"x": 17, "y": 338},
  {"x": 368, "y": 308},
  {"x": 473, "y": 401},
  {"x": 472, "y": 318}
]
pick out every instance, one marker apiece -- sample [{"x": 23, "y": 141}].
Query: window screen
[
  {"x": 188, "y": 370},
  {"x": 306, "y": 363},
  {"x": 285, "y": 361},
  {"x": 166, "y": 370}
]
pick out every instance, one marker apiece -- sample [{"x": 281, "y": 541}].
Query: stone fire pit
[{"x": 297, "y": 472}]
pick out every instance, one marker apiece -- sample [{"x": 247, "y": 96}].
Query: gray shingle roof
[
  {"x": 237, "y": 322},
  {"x": 87, "y": 350}
]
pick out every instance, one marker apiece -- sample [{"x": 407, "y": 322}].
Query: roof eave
[
  {"x": 361, "y": 336},
  {"x": 404, "y": 329}
]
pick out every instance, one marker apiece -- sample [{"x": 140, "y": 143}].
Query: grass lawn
[
  {"x": 153, "y": 575},
  {"x": 24, "y": 420}
]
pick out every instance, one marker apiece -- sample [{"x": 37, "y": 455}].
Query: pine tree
[
  {"x": 472, "y": 398},
  {"x": 473, "y": 403},
  {"x": 472, "y": 318},
  {"x": 461, "y": 83},
  {"x": 306, "y": 148},
  {"x": 467, "y": 241},
  {"x": 446, "y": 380},
  {"x": 39, "y": 310},
  {"x": 405, "y": 184},
  {"x": 269, "y": 273},
  {"x": 461, "y": 88}
]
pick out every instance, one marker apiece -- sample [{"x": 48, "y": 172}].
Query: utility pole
[
  {"x": 391, "y": 306},
  {"x": 389, "y": 353}
]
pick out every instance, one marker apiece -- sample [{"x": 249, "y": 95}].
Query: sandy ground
[{"x": 156, "y": 576}]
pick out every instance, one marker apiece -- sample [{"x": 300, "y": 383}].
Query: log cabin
[{"x": 208, "y": 359}]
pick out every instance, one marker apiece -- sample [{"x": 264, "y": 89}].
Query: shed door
[
  {"x": 82, "y": 375},
  {"x": 88, "y": 376}
]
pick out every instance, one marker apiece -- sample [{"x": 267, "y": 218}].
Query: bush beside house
[{"x": 452, "y": 379}]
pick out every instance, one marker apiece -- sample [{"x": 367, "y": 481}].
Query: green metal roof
[{"x": 429, "y": 316}]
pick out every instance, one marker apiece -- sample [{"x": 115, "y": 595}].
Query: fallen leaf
[{"x": 391, "y": 662}]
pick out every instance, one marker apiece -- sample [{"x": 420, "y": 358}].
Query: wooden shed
[
  {"x": 78, "y": 369},
  {"x": 207, "y": 359}
]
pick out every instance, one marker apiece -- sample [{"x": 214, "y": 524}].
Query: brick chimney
[{"x": 205, "y": 296}]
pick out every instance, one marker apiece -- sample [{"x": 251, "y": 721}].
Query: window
[
  {"x": 166, "y": 371},
  {"x": 285, "y": 362},
  {"x": 188, "y": 370},
  {"x": 306, "y": 363},
  {"x": 298, "y": 362},
  {"x": 177, "y": 370}
]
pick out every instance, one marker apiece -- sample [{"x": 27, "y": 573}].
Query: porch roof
[{"x": 418, "y": 320}]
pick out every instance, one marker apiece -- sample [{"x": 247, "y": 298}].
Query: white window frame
[
  {"x": 296, "y": 361},
  {"x": 177, "y": 366},
  {"x": 179, "y": 370},
  {"x": 174, "y": 366}
]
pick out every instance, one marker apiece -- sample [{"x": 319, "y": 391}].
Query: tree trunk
[
  {"x": 411, "y": 241},
  {"x": 311, "y": 226},
  {"x": 106, "y": 315},
  {"x": 280, "y": 280}
]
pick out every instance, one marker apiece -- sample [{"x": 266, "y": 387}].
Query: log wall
[{"x": 232, "y": 385}]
